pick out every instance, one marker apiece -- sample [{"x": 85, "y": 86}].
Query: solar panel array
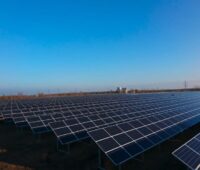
[
  {"x": 38, "y": 116},
  {"x": 123, "y": 126},
  {"x": 189, "y": 153},
  {"x": 71, "y": 130},
  {"x": 39, "y": 122}
]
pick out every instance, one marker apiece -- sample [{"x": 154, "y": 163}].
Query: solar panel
[
  {"x": 71, "y": 111},
  {"x": 83, "y": 124},
  {"x": 48, "y": 104},
  {"x": 7, "y": 115},
  {"x": 91, "y": 120},
  {"x": 37, "y": 125},
  {"x": 121, "y": 145},
  {"x": 189, "y": 153},
  {"x": 89, "y": 124}
]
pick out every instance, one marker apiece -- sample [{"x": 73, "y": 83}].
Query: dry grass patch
[{"x": 7, "y": 166}]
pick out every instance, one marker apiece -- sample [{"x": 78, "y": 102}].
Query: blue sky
[{"x": 97, "y": 45}]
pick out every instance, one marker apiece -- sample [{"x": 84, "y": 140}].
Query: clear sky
[{"x": 78, "y": 45}]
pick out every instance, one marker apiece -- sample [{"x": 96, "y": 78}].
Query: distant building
[
  {"x": 124, "y": 90},
  {"x": 121, "y": 90},
  {"x": 118, "y": 89}
]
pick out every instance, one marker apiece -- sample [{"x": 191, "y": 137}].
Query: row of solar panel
[
  {"x": 90, "y": 119},
  {"x": 81, "y": 112},
  {"x": 73, "y": 110},
  {"x": 80, "y": 106},
  {"x": 36, "y": 123},
  {"x": 40, "y": 123},
  {"x": 20, "y": 118},
  {"x": 102, "y": 99},
  {"x": 68, "y": 132},
  {"x": 46, "y": 103}
]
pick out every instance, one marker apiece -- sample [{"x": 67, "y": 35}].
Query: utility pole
[{"x": 185, "y": 84}]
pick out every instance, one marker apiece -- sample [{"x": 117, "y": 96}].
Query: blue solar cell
[
  {"x": 135, "y": 123},
  {"x": 162, "y": 134},
  {"x": 171, "y": 131},
  {"x": 133, "y": 149},
  {"x": 145, "y": 143},
  {"x": 108, "y": 120},
  {"x": 145, "y": 121},
  {"x": 198, "y": 137},
  {"x": 155, "y": 139},
  {"x": 82, "y": 135},
  {"x": 161, "y": 125},
  {"x": 107, "y": 144},
  {"x": 113, "y": 130},
  {"x": 118, "y": 156},
  {"x": 144, "y": 130},
  {"x": 83, "y": 119},
  {"x": 125, "y": 126},
  {"x": 93, "y": 117},
  {"x": 88, "y": 125},
  {"x": 153, "y": 127},
  {"x": 75, "y": 128},
  {"x": 134, "y": 134},
  {"x": 71, "y": 122},
  {"x": 122, "y": 139},
  {"x": 57, "y": 124},
  {"x": 67, "y": 139},
  {"x": 62, "y": 131},
  {"x": 99, "y": 134},
  {"x": 195, "y": 145},
  {"x": 99, "y": 122}
]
